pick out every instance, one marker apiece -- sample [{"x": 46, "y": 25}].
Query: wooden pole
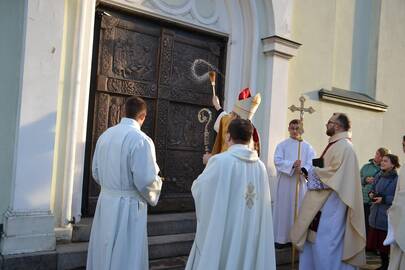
[
  {"x": 297, "y": 191},
  {"x": 301, "y": 110},
  {"x": 212, "y": 76}
]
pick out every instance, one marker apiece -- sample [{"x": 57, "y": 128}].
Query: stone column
[
  {"x": 278, "y": 51},
  {"x": 29, "y": 223}
]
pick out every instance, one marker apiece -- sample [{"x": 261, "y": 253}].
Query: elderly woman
[
  {"x": 367, "y": 174},
  {"x": 382, "y": 194}
]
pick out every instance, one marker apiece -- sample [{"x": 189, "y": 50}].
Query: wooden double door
[{"x": 163, "y": 64}]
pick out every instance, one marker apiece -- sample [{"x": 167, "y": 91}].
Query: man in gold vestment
[{"x": 245, "y": 107}]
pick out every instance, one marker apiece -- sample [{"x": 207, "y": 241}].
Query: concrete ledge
[
  {"x": 37, "y": 261},
  {"x": 28, "y": 224},
  {"x": 72, "y": 256},
  {"x": 27, "y": 243},
  {"x": 26, "y": 232}
]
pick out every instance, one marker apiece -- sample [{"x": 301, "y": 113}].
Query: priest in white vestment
[
  {"x": 288, "y": 166},
  {"x": 396, "y": 223},
  {"x": 124, "y": 165},
  {"x": 233, "y": 208},
  {"x": 330, "y": 228}
]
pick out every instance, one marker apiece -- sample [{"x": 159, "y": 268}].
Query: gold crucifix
[{"x": 301, "y": 110}]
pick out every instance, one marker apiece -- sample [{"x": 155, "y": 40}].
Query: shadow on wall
[{"x": 36, "y": 151}]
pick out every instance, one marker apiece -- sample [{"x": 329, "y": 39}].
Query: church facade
[{"x": 68, "y": 66}]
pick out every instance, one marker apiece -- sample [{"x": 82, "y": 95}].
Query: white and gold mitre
[{"x": 246, "y": 105}]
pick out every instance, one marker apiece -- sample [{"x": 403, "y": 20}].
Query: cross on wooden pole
[{"x": 301, "y": 110}]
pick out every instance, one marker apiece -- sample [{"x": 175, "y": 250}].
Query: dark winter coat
[{"x": 384, "y": 185}]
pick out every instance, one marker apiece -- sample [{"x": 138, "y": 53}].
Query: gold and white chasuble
[{"x": 233, "y": 208}]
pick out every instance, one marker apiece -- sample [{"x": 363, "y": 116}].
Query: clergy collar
[
  {"x": 239, "y": 146},
  {"x": 340, "y": 135},
  {"x": 130, "y": 121}
]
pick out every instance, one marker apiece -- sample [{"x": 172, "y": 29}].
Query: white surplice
[
  {"x": 326, "y": 252},
  {"x": 124, "y": 165},
  {"x": 233, "y": 209},
  {"x": 284, "y": 157}
]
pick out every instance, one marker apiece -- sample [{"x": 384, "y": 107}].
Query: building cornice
[{"x": 280, "y": 46}]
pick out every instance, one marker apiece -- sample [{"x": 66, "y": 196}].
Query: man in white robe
[
  {"x": 330, "y": 228},
  {"x": 233, "y": 208},
  {"x": 288, "y": 166},
  {"x": 124, "y": 165}
]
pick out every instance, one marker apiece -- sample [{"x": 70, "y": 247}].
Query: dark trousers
[{"x": 366, "y": 215}]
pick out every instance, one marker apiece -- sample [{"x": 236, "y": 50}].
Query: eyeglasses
[{"x": 332, "y": 122}]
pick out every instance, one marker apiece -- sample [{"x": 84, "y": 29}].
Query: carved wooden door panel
[{"x": 146, "y": 58}]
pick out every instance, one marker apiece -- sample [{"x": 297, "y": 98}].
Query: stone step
[
  {"x": 159, "y": 224},
  {"x": 166, "y": 246},
  {"x": 73, "y": 256},
  {"x": 283, "y": 260},
  {"x": 174, "y": 263},
  {"x": 167, "y": 224}
]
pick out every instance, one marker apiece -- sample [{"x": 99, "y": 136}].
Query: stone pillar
[
  {"x": 29, "y": 223},
  {"x": 278, "y": 51}
]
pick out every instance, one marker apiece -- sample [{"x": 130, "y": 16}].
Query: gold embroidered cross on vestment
[{"x": 250, "y": 195}]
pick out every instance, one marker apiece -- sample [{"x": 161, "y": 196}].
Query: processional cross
[{"x": 301, "y": 110}]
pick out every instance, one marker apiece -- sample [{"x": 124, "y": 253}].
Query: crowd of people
[
  {"x": 379, "y": 185},
  {"x": 323, "y": 206},
  {"x": 379, "y": 179}
]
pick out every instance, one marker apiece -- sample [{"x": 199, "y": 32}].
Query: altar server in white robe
[
  {"x": 288, "y": 166},
  {"x": 124, "y": 165},
  {"x": 330, "y": 228},
  {"x": 233, "y": 208}
]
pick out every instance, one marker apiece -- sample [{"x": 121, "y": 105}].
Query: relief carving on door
[{"x": 152, "y": 60}]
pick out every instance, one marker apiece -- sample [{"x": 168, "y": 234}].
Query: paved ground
[{"x": 373, "y": 261}]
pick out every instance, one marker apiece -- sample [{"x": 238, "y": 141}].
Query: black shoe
[{"x": 281, "y": 246}]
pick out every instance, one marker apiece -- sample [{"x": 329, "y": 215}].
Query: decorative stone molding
[
  {"x": 211, "y": 16},
  {"x": 276, "y": 45},
  {"x": 188, "y": 8},
  {"x": 352, "y": 98}
]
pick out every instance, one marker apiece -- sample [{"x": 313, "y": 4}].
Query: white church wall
[
  {"x": 29, "y": 223},
  {"x": 390, "y": 86},
  {"x": 325, "y": 60},
  {"x": 11, "y": 27}
]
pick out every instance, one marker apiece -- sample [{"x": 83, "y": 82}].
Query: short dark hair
[
  {"x": 240, "y": 130},
  {"x": 403, "y": 138},
  {"x": 294, "y": 122},
  {"x": 343, "y": 120},
  {"x": 383, "y": 151},
  {"x": 394, "y": 160},
  {"x": 134, "y": 106}
]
